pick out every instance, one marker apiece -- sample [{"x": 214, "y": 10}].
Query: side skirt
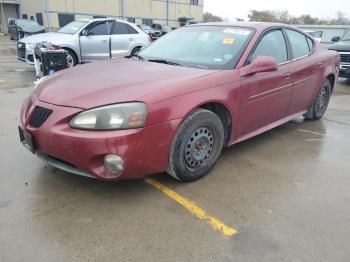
[{"x": 267, "y": 127}]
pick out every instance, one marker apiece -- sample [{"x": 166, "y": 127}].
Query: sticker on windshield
[
  {"x": 228, "y": 41},
  {"x": 217, "y": 59},
  {"x": 236, "y": 31}
]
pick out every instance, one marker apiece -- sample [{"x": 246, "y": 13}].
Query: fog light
[{"x": 114, "y": 164}]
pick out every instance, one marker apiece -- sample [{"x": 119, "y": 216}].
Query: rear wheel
[
  {"x": 320, "y": 105},
  {"x": 197, "y": 146},
  {"x": 135, "y": 51}
]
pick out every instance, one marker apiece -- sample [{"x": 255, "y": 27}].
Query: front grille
[
  {"x": 30, "y": 58},
  {"x": 39, "y": 116},
  {"x": 21, "y": 50},
  {"x": 345, "y": 58}
]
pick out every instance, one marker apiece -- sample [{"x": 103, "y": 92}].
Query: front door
[
  {"x": 266, "y": 96},
  {"x": 95, "y": 44}
]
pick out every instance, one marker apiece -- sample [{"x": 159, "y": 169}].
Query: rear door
[
  {"x": 305, "y": 72},
  {"x": 265, "y": 96},
  {"x": 95, "y": 45},
  {"x": 123, "y": 39}
]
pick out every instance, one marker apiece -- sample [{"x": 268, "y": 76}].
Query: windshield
[
  {"x": 72, "y": 27},
  {"x": 212, "y": 47},
  {"x": 346, "y": 37},
  {"x": 23, "y": 23},
  {"x": 146, "y": 27}
]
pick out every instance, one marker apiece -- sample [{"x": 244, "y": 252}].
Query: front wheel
[
  {"x": 197, "y": 146},
  {"x": 320, "y": 105},
  {"x": 72, "y": 59}
]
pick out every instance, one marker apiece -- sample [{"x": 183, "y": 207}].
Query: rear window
[{"x": 299, "y": 43}]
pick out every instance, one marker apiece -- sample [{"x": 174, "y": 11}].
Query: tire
[
  {"x": 135, "y": 51},
  {"x": 320, "y": 105},
  {"x": 72, "y": 59},
  {"x": 197, "y": 146}
]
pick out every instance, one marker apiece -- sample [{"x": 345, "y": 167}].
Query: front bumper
[
  {"x": 144, "y": 150},
  {"x": 24, "y": 53},
  {"x": 344, "y": 70}
]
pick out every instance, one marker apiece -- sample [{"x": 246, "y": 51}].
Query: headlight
[
  {"x": 37, "y": 82},
  {"x": 118, "y": 116}
]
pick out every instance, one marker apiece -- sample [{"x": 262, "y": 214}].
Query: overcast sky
[{"x": 319, "y": 8}]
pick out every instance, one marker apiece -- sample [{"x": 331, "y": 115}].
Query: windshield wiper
[
  {"x": 139, "y": 57},
  {"x": 164, "y": 61}
]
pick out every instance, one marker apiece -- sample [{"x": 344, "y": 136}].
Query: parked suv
[
  {"x": 89, "y": 39},
  {"x": 342, "y": 45},
  {"x": 19, "y": 28},
  {"x": 164, "y": 29}
]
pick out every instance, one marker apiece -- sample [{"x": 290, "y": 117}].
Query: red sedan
[{"x": 176, "y": 104}]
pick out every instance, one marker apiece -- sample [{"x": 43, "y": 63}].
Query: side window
[
  {"x": 99, "y": 29},
  {"x": 119, "y": 29},
  {"x": 131, "y": 30},
  {"x": 310, "y": 42},
  {"x": 299, "y": 44},
  {"x": 272, "y": 44}
]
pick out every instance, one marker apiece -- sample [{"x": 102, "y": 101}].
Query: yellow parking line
[
  {"x": 2, "y": 81},
  {"x": 193, "y": 208}
]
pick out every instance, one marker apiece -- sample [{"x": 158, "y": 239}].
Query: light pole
[
  {"x": 3, "y": 18},
  {"x": 121, "y": 3},
  {"x": 167, "y": 12},
  {"x": 48, "y": 20}
]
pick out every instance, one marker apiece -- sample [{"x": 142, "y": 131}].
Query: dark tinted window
[
  {"x": 64, "y": 19},
  {"x": 299, "y": 44},
  {"x": 99, "y": 29},
  {"x": 25, "y": 16},
  {"x": 39, "y": 18},
  {"x": 147, "y": 21},
  {"x": 122, "y": 28},
  {"x": 272, "y": 44},
  {"x": 131, "y": 19}
]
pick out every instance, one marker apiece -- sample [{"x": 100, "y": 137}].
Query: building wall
[
  {"x": 139, "y": 9},
  {"x": 6, "y": 11}
]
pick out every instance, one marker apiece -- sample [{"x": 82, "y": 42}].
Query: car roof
[{"x": 102, "y": 19}]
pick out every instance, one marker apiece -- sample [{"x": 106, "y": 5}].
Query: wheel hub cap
[
  {"x": 198, "y": 147},
  {"x": 321, "y": 102}
]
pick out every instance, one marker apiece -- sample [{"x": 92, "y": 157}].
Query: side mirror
[
  {"x": 84, "y": 32},
  {"x": 335, "y": 39},
  {"x": 259, "y": 65}
]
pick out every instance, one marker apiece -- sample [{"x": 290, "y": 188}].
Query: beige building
[
  {"x": 8, "y": 9},
  {"x": 57, "y": 13}
]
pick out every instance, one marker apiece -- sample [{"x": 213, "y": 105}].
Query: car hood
[
  {"x": 55, "y": 38},
  {"x": 113, "y": 81},
  {"x": 31, "y": 28},
  {"x": 340, "y": 46}
]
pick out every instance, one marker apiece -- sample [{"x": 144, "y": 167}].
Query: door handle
[
  {"x": 104, "y": 41},
  {"x": 287, "y": 75},
  {"x": 131, "y": 39}
]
